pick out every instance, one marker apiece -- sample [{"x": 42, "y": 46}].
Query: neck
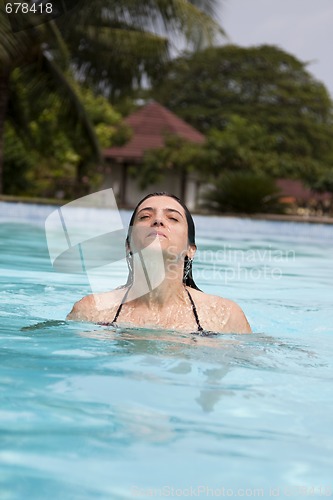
[{"x": 157, "y": 282}]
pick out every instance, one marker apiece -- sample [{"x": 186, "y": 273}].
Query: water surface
[{"x": 91, "y": 413}]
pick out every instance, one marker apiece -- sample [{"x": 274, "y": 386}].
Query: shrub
[{"x": 244, "y": 192}]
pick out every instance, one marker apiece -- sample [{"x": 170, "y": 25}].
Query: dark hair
[{"x": 188, "y": 278}]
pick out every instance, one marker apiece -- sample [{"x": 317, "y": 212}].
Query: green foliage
[
  {"x": 178, "y": 154},
  {"x": 242, "y": 145},
  {"x": 248, "y": 146},
  {"x": 17, "y": 163},
  {"x": 109, "y": 127},
  {"x": 58, "y": 148},
  {"x": 264, "y": 85},
  {"x": 244, "y": 192},
  {"x": 324, "y": 182},
  {"x": 110, "y": 46},
  {"x": 114, "y": 46}
]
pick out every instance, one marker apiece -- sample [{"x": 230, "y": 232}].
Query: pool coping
[{"x": 313, "y": 219}]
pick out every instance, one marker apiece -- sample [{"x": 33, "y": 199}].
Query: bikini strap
[
  {"x": 194, "y": 309},
  {"x": 120, "y": 306}
]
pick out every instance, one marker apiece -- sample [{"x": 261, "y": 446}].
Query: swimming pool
[{"x": 86, "y": 413}]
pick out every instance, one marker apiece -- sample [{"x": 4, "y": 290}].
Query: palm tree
[
  {"x": 114, "y": 45},
  {"x": 42, "y": 57},
  {"x": 107, "y": 44}
]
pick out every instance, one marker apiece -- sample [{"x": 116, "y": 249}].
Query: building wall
[{"x": 113, "y": 178}]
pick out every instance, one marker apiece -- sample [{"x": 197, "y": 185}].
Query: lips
[{"x": 157, "y": 233}]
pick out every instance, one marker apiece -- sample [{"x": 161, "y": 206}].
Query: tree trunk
[
  {"x": 183, "y": 180},
  {"x": 4, "y": 93},
  {"x": 82, "y": 180},
  {"x": 123, "y": 185}
]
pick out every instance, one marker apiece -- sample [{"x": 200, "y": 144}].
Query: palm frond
[
  {"x": 46, "y": 79},
  {"x": 173, "y": 18},
  {"x": 13, "y": 47},
  {"x": 114, "y": 58},
  {"x": 70, "y": 95}
]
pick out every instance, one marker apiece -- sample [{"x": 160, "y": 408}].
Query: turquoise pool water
[{"x": 87, "y": 413}]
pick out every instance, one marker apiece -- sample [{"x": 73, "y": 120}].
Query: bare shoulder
[
  {"x": 82, "y": 309},
  {"x": 96, "y": 307},
  {"x": 237, "y": 322},
  {"x": 220, "y": 314}
]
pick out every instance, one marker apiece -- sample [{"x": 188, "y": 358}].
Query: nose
[{"x": 158, "y": 222}]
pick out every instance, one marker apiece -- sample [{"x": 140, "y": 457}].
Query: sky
[{"x": 303, "y": 28}]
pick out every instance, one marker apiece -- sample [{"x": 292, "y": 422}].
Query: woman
[{"x": 160, "y": 291}]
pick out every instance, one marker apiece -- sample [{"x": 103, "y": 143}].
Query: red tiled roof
[
  {"x": 297, "y": 190},
  {"x": 150, "y": 125}
]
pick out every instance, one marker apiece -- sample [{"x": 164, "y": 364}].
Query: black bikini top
[{"x": 194, "y": 309}]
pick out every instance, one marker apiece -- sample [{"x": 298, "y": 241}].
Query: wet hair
[{"x": 187, "y": 273}]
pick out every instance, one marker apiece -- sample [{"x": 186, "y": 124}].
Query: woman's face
[{"x": 162, "y": 219}]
